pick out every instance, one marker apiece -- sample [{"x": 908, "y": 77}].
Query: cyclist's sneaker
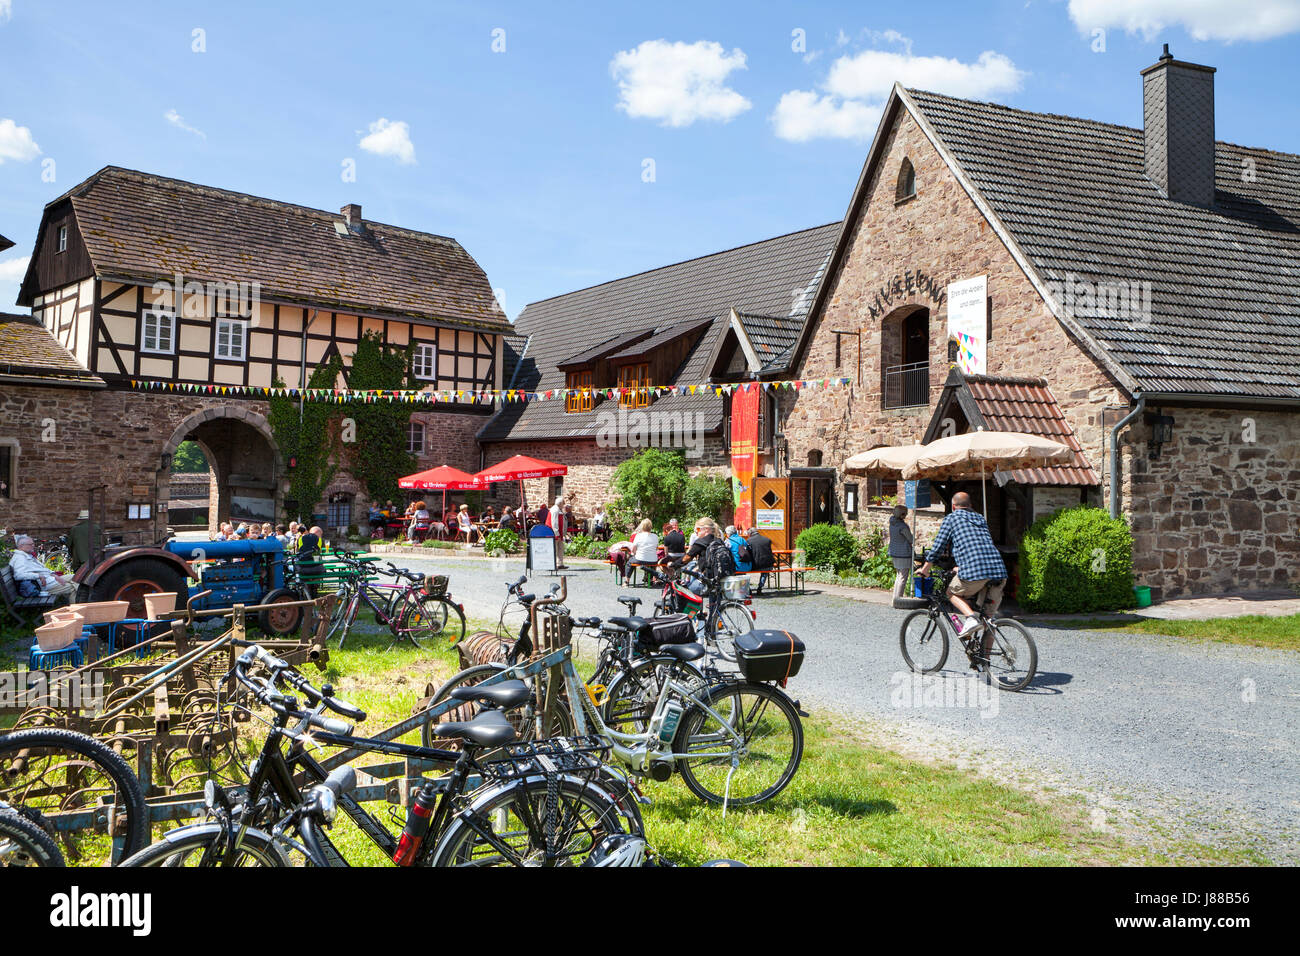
[{"x": 968, "y": 626}]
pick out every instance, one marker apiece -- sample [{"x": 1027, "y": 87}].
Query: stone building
[
  {"x": 1139, "y": 285},
  {"x": 724, "y": 318},
  {"x": 139, "y": 278}
]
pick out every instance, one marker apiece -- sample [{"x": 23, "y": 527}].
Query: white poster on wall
[{"x": 968, "y": 323}]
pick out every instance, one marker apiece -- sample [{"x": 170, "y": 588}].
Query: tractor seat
[
  {"x": 505, "y": 695},
  {"x": 488, "y": 729},
  {"x": 683, "y": 652}
]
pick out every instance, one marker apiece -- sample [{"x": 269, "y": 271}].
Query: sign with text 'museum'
[{"x": 968, "y": 323}]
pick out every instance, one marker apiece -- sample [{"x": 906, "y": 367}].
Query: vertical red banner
[{"x": 744, "y": 452}]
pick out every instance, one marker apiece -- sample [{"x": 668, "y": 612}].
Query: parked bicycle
[
  {"x": 414, "y": 607},
  {"x": 721, "y": 612},
  {"x": 502, "y": 803},
  {"x": 1001, "y": 648}
]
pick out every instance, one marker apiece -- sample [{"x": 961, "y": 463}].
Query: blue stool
[
  {"x": 142, "y": 630},
  {"x": 42, "y": 660}
]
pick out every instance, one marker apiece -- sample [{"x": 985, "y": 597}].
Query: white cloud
[
  {"x": 6, "y": 10},
  {"x": 13, "y": 270},
  {"x": 390, "y": 139},
  {"x": 802, "y": 115},
  {"x": 857, "y": 85},
  {"x": 1226, "y": 20},
  {"x": 678, "y": 83},
  {"x": 16, "y": 141},
  {"x": 179, "y": 122}
]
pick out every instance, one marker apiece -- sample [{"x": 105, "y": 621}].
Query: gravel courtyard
[{"x": 1196, "y": 739}]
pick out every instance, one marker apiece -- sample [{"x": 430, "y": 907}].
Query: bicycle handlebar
[{"x": 281, "y": 670}]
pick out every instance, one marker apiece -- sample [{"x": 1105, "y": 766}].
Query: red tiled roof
[{"x": 1027, "y": 405}]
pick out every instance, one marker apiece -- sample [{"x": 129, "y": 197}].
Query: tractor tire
[
  {"x": 134, "y": 578},
  {"x": 281, "y": 621}
]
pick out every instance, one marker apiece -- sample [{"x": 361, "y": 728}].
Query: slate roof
[
  {"x": 1025, "y": 405},
  {"x": 660, "y": 337},
  {"x": 773, "y": 338},
  {"x": 760, "y": 278},
  {"x": 29, "y": 353},
  {"x": 141, "y": 228},
  {"x": 1224, "y": 281}
]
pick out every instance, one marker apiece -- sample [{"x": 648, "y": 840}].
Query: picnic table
[{"x": 783, "y": 563}]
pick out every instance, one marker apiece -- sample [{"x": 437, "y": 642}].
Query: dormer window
[
  {"x": 580, "y": 397},
  {"x": 61, "y": 244},
  {"x": 634, "y": 380},
  {"x": 906, "y": 181}
]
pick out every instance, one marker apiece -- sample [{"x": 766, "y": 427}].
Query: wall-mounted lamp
[{"x": 1162, "y": 432}]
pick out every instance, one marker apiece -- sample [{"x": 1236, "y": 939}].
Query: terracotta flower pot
[
  {"x": 100, "y": 612},
  {"x": 63, "y": 632},
  {"x": 160, "y": 604},
  {"x": 60, "y": 612}
]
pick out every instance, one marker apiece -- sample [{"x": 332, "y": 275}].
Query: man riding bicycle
[{"x": 979, "y": 563}]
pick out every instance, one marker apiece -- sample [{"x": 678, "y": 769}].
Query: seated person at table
[
  {"x": 489, "y": 514},
  {"x": 645, "y": 547},
  {"x": 35, "y": 578},
  {"x": 376, "y": 517},
  {"x": 508, "y": 520},
  {"x": 674, "y": 541},
  {"x": 760, "y": 551},
  {"x": 466, "y": 525},
  {"x": 421, "y": 521},
  {"x": 600, "y": 524},
  {"x": 619, "y": 554}
]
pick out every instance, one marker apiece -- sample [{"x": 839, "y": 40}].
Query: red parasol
[
  {"x": 444, "y": 478},
  {"x": 518, "y": 468}
]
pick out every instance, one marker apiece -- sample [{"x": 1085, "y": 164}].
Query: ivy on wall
[
  {"x": 379, "y": 456},
  {"x": 306, "y": 441}
]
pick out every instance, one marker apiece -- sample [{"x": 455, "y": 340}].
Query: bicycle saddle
[
  {"x": 488, "y": 729},
  {"x": 628, "y": 623},
  {"x": 631, "y": 603},
  {"x": 683, "y": 652},
  {"x": 505, "y": 695},
  {"x": 586, "y": 622}
]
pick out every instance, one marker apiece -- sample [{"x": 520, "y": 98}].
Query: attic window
[
  {"x": 906, "y": 181},
  {"x": 62, "y": 244}
]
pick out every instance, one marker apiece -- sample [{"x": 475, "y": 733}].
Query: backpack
[
  {"x": 745, "y": 554},
  {"x": 719, "y": 562}
]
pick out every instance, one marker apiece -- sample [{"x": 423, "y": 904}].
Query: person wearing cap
[{"x": 31, "y": 574}]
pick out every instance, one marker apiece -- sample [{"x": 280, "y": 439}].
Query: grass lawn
[
  {"x": 1252, "y": 630},
  {"x": 850, "y": 804}
]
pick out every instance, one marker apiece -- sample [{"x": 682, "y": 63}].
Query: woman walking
[{"x": 900, "y": 547}]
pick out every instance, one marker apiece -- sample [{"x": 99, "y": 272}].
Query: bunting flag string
[{"x": 479, "y": 397}]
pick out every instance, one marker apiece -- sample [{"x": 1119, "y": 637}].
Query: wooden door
[{"x": 772, "y": 510}]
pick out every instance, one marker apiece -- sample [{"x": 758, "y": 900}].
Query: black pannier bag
[
  {"x": 669, "y": 629},
  {"x": 769, "y": 655}
]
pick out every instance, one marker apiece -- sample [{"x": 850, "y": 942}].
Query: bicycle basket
[
  {"x": 435, "y": 585},
  {"x": 736, "y": 588}
]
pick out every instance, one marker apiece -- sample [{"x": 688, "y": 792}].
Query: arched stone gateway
[{"x": 244, "y": 456}]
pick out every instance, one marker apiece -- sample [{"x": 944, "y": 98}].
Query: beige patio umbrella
[
  {"x": 885, "y": 461},
  {"x": 976, "y": 454}
]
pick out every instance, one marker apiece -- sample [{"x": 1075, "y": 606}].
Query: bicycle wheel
[
  {"x": 924, "y": 642},
  {"x": 629, "y": 700},
  {"x": 427, "y": 619},
  {"x": 715, "y": 766},
  {"x": 190, "y": 846},
  {"x": 54, "y": 771},
  {"x": 1011, "y": 654},
  {"x": 732, "y": 620},
  {"x": 23, "y": 843},
  {"x": 516, "y": 816},
  {"x": 345, "y": 611}
]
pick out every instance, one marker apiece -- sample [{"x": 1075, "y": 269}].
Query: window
[
  {"x": 158, "y": 332},
  {"x": 415, "y": 438},
  {"x": 8, "y": 458},
  {"x": 636, "y": 378},
  {"x": 582, "y": 401},
  {"x": 63, "y": 239},
  {"x": 338, "y": 510},
  {"x": 850, "y": 500},
  {"x": 906, "y": 181},
  {"x": 231, "y": 336},
  {"x": 424, "y": 363}
]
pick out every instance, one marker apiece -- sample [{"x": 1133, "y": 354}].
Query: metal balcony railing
[{"x": 907, "y": 386}]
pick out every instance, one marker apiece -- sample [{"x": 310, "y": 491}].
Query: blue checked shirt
[{"x": 972, "y": 546}]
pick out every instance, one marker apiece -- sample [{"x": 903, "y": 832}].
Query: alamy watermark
[
  {"x": 641, "y": 428},
  {"x": 22, "y": 689},
  {"x": 227, "y": 299},
  {"x": 911, "y": 690},
  {"x": 1128, "y": 299}
]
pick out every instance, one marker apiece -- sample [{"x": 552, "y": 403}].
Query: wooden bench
[
  {"x": 24, "y": 610},
  {"x": 774, "y": 577}
]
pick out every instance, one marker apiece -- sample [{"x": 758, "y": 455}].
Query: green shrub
[
  {"x": 828, "y": 546},
  {"x": 650, "y": 484},
  {"x": 874, "y": 562},
  {"x": 598, "y": 550},
  {"x": 578, "y": 546},
  {"x": 501, "y": 541},
  {"x": 1076, "y": 560},
  {"x": 707, "y": 496}
]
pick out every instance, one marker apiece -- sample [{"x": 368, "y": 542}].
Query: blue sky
[{"x": 757, "y": 116}]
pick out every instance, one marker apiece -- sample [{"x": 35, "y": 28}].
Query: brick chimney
[
  {"x": 1178, "y": 123},
  {"x": 352, "y": 214}
]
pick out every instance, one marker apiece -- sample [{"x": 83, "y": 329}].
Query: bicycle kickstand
[{"x": 726, "y": 790}]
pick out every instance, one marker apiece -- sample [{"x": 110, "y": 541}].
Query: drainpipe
[{"x": 1114, "y": 452}]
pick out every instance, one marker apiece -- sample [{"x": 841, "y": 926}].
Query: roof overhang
[{"x": 5, "y": 244}]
